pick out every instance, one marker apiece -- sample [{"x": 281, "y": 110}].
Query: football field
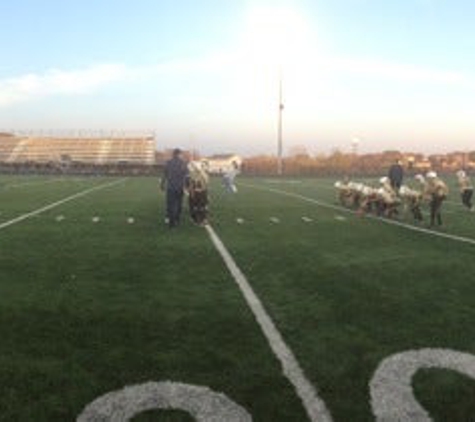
[{"x": 287, "y": 307}]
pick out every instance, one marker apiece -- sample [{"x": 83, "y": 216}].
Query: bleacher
[
  {"x": 8, "y": 143},
  {"x": 130, "y": 150}
]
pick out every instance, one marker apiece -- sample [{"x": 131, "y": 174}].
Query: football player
[
  {"x": 466, "y": 189},
  {"x": 436, "y": 192}
]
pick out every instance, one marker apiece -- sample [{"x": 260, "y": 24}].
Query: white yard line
[
  {"x": 457, "y": 204},
  {"x": 57, "y": 203},
  {"x": 314, "y": 406},
  {"x": 43, "y": 182},
  {"x": 383, "y": 220}
]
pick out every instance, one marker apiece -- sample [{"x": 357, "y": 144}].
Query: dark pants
[
  {"x": 467, "y": 198},
  {"x": 198, "y": 203},
  {"x": 416, "y": 210},
  {"x": 435, "y": 207},
  {"x": 174, "y": 203},
  {"x": 396, "y": 185}
]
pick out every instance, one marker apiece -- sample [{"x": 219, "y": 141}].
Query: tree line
[{"x": 352, "y": 164}]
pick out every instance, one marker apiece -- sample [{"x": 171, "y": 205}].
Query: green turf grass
[
  {"x": 347, "y": 294},
  {"x": 88, "y": 308}
]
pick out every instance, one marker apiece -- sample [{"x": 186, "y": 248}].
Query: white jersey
[{"x": 228, "y": 179}]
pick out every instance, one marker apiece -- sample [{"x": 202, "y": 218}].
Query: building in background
[{"x": 219, "y": 164}]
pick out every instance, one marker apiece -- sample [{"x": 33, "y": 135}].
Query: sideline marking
[
  {"x": 57, "y": 203},
  {"x": 314, "y": 406},
  {"x": 383, "y": 220}
]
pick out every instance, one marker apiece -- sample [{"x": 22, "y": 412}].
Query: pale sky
[{"x": 204, "y": 74}]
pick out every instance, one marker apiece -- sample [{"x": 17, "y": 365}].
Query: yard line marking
[
  {"x": 428, "y": 231},
  {"x": 278, "y": 181},
  {"x": 57, "y": 203},
  {"x": 43, "y": 182},
  {"x": 314, "y": 406},
  {"x": 462, "y": 239}
]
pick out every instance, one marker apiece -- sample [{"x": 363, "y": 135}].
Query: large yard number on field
[
  {"x": 200, "y": 402},
  {"x": 392, "y": 397}
]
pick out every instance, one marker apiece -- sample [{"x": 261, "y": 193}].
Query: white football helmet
[
  {"x": 367, "y": 191},
  {"x": 403, "y": 190}
]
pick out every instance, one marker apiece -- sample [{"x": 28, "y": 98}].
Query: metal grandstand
[{"x": 89, "y": 147}]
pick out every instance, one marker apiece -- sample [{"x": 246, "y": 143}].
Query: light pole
[
  {"x": 279, "y": 129},
  {"x": 355, "y": 142}
]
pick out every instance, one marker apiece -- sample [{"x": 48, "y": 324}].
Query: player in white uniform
[{"x": 229, "y": 176}]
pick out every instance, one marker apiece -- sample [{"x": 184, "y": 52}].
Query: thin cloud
[
  {"x": 59, "y": 82},
  {"x": 211, "y": 63},
  {"x": 239, "y": 61},
  {"x": 89, "y": 80},
  {"x": 398, "y": 71}
]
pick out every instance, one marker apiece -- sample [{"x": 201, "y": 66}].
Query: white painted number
[
  {"x": 392, "y": 397},
  {"x": 202, "y": 403}
]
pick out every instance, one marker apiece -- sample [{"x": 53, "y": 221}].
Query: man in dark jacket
[
  {"x": 174, "y": 178},
  {"x": 396, "y": 174}
]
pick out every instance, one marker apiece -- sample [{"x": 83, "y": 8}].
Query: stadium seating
[
  {"x": 86, "y": 150},
  {"x": 7, "y": 146}
]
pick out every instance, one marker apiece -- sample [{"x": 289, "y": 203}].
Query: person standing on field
[
  {"x": 229, "y": 176},
  {"x": 466, "y": 189},
  {"x": 396, "y": 174},
  {"x": 198, "y": 193},
  {"x": 436, "y": 191},
  {"x": 174, "y": 180}
]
